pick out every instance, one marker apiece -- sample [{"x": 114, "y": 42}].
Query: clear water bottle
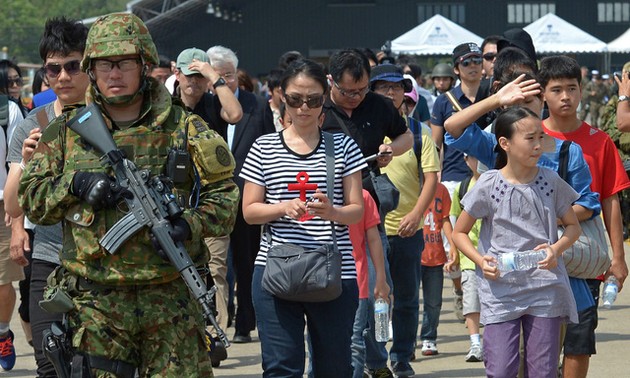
[
  {"x": 381, "y": 320},
  {"x": 610, "y": 291},
  {"x": 511, "y": 261}
]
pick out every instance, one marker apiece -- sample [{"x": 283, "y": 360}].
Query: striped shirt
[{"x": 270, "y": 163}]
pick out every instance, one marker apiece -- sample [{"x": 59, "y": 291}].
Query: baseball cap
[
  {"x": 186, "y": 57},
  {"x": 518, "y": 38},
  {"x": 595, "y": 73},
  {"x": 465, "y": 50},
  {"x": 391, "y": 73}
]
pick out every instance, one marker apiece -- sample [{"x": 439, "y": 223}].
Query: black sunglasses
[
  {"x": 472, "y": 60},
  {"x": 489, "y": 56},
  {"x": 72, "y": 67},
  {"x": 295, "y": 101},
  {"x": 17, "y": 81}
]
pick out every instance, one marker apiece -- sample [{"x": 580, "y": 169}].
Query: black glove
[
  {"x": 97, "y": 189},
  {"x": 180, "y": 233}
]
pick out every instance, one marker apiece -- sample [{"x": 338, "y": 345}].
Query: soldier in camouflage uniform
[
  {"x": 131, "y": 309},
  {"x": 621, "y": 138},
  {"x": 593, "y": 95}
]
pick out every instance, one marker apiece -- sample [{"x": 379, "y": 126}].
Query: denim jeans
[
  {"x": 404, "y": 267},
  {"x": 358, "y": 343},
  {"x": 432, "y": 284},
  {"x": 375, "y": 352},
  {"x": 281, "y": 331}
]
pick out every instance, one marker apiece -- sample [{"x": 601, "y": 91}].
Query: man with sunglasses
[
  {"x": 489, "y": 54},
  {"x": 61, "y": 49},
  {"x": 131, "y": 312}
]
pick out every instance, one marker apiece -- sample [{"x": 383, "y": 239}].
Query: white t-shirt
[{"x": 15, "y": 116}]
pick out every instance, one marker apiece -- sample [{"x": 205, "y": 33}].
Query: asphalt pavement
[{"x": 611, "y": 360}]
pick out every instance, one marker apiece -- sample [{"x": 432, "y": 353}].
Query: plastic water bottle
[
  {"x": 511, "y": 261},
  {"x": 610, "y": 291},
  {"x": 381, "y": 320}
]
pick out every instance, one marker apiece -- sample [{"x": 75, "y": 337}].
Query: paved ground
[{"x": 613, "y": 336}]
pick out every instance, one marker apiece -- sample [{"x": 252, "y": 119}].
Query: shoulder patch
[{"x": 223, "y": 156}]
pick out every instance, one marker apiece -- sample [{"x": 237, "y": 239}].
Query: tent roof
[
  {"x": 551, "y": 34},
  {"x": 436, "y": 36},
  {"x": 620, "y": 44}
]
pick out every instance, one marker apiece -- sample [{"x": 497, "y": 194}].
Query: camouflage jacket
[
  {"x": 45, "y": 190},
  {"x": 600, "y": 92},
  {"x": 608, "y": 124}
]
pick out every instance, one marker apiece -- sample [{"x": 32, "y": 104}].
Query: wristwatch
[{"x": 219, "y": 83}]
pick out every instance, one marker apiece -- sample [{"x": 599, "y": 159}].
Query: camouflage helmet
[
  {"x": 443, "y": 70},
  {"x": 119, "y": 34}
]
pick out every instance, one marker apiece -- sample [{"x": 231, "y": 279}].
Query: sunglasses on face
[
  {"x": 72, "y": 67},
  {"x": 489, "y": 56},
  {"x": 16, "y": 81},
  {"x": 472, "y": 60},
  {"x": 296, "y": 101}
]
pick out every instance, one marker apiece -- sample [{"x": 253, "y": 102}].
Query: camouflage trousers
[{"x": 158, "y": 328}]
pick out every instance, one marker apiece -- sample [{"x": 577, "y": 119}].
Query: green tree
[{"x": 22, "y": 21}]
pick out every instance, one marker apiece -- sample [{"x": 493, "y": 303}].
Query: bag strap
[
  {"x": 341, "y": 123},
  {"x": 416, "y": 129},
  {"x": 329, "y": 145},
  {"x": 456, "y": 105},
  {"x": 563, "y": 161}
]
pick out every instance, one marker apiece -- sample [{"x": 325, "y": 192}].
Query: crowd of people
[{"x": 474, "y": 156}]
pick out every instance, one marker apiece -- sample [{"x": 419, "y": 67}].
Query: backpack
[{"x": 463, "y": 187}]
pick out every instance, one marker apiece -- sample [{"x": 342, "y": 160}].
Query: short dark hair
[
  {"x": 274, "y": 77},
  {"x": 415, "y": 69},
  {"x": 38, "y": 79},
  {"x": 62, "y": 36},
  {"x": 559, "y": 67},
  {"x": 369, "y": 54},
  {"x": 493, "y": 39},
  {"x": 163, "y": 62},
  {"x": 510, "y": 60},
  {"x": 352, "y": 61},
  {"x": 305, "y": 67},
  {"x": 504, "y": 127}
]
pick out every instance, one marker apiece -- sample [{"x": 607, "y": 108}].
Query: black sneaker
[
  {"x": 216, "y": 350},
  {"x": 402, "y": 369}
]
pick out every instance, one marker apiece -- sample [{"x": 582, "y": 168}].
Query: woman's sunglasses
[
  {"x": 297, "y": 101},
  {"x": 72, "y": 67}
]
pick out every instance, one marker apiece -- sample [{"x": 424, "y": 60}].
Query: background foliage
[{"x": 22, "y": 21}]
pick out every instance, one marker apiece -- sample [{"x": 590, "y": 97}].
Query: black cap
[
  {"x": 520, "y": 39},
  {"x": 465, "y": 50}
]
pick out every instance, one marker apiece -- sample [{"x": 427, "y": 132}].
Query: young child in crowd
[
  {"x": 470, "y": 284},
  {"x": 560, "y": 79},
  {"x": 436, "y": 219},
  {"x": 518, "y": 203},
  {"x": 362, "y": 234}
]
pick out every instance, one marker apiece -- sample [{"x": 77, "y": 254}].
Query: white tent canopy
[
  {"x": 436, "y": 36},
  {"x": 620, "y": 44},
  {"x": 551, "y": 34}
]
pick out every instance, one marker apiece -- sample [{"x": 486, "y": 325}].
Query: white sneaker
[
  {"x": 429, "y": 348},
  {"x": 475, "y": 354}
]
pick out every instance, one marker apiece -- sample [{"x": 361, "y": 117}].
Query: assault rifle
[{"x": 151, "y": 203}]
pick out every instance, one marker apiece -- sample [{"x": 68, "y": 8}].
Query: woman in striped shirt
[{"x": 281, "y": 171}]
